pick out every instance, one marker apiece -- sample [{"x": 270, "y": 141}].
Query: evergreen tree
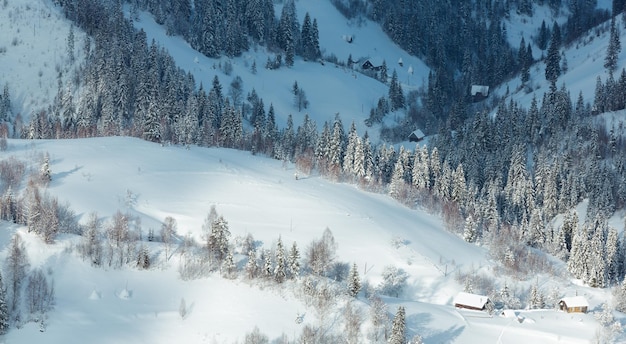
[
  {"x": 280, "y": 270},
  {"x": 288, "y": 32},
  {"x": 470, "y": 229},
  {"x": 398, "y": 327},
  {"x": 293, "y": 261},
  {"x": 613, "y": 50},
  {"x": 553, "y": 60},
  {"x": 354, "y": 281},
  {"x": 544, "y": 36},
  {"x": 267, "y": 264},
  {"x": 218, "y": 240},
  {"x": 396, "y": 95},
  {"x": 251, "y": 265},
  {"x": 536, "y": 300}
]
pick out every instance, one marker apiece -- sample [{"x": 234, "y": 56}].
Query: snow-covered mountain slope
[
  {"x": 34, "y": 53},
  {"x": 259, "y": 196},
  {"x": 585, "y": 60},
  {"x": 329, "y": 88}
]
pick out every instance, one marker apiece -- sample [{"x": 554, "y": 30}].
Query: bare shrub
[
  {"x": 11, "y": 173},
  {"x": 320, "y": 254}
]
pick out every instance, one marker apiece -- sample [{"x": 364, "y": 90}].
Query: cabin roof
[
  {"x": 482, "y": 89},
  {"x": 575, "y": 301},
  {"x": 418, "y": 134},
  {"x": 471, "y": 300}
]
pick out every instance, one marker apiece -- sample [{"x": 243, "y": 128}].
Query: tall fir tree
[
  {"x": 553, "y": 60},
  {"x": 354, "y": 281},
  {"x": 398, "y": 327},
  {"x": 613, "y": 50}
]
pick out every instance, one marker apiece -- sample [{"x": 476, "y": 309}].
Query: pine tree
[
  {"x": 354, "y": 281},
  {"x": 293, "y": 261},
  {"x": 553, "y": 60},
  {"x": 543, "y": 37},
  {"x": 143, "y": 258},
  {"x": 470, "y": 229},
  {"x": 218, "y": 240},
  {"x": 267, "y": 264},
  {"x": 280, "y": 270},
  {"x": 536, "y": 300},
  {"x": 398, "y": 327},
  {"x": 229, "y": 267},
  {"x": 251, "y": 266},
  {"x": 613, "y": 50}
]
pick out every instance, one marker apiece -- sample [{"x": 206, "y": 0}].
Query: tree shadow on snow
[
  {"x": 418, "y": 324},
  {"x": 61, "y": 175},
  {"x": 446, "y": 336}
]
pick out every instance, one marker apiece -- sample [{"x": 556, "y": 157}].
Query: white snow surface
[
  {"x": 259, "y": 196},
  {"x": 256, "y": 195}
]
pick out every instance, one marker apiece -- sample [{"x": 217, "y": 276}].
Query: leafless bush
[
  {"x": 39, "y": 293},
  {"x": 256, "y": 337},
  {"x": 320, "y": 254},
  {"x": 11, "y": 173}
]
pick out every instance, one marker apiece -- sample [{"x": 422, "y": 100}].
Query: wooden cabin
[
  {"x": 574, "y": 304},
  {"x": 416, "y": 136},
  {"x": 479, "y": 92},
  {"x": 471, "y": 301}
]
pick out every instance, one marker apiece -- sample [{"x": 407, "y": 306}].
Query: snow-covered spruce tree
[
  {"x": 553, "y": 60},
  {"x": 251, "y": 265},
  {"x": 293, "y": 261},
  {"x": 267, "y": 264},
  {"x": 470, "y": 230},
  {"x": 143, "y": 258},
  {"x": 218, "y": 240},
  {"x": 398, "y": 327},
  {"x": 536, "y": 299},
  {"x": 354, "y": 281},
  {"x": 46, "y": 173},
  {"x": 229, "y": 268},
  {"x": 280, "y": 270},
  {"x": 613, "y": 50}
]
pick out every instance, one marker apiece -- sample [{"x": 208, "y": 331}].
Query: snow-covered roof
[
  {"x": 375, "y": 61},
  {"x": 484, "y": 90},
  {"x": 471, "y": 300},
  {"x": 575, "y": 301},
  {"x": 418, "y": 134}
]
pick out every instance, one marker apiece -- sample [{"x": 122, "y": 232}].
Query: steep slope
[
  {"x": 330, "y": 89},
  {"x": 34, "y": 53}
]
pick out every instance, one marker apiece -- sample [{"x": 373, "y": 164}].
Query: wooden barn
[
  {"x": 416, "y": 136},
  {"x": 574, "y": 304},
  {"x": 471, "y": 301}
]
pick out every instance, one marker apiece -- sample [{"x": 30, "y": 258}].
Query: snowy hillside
[
  {"x": 264, "y": 198},
  {"x": 34, "y": 53},
  {"x": 260, "y": 197},
  {"x": 330, "y": 89}
]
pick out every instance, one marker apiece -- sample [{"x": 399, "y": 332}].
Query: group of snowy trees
[
  {"x": 25, "y": 295},
  {"x": 494, "y": 174}
]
